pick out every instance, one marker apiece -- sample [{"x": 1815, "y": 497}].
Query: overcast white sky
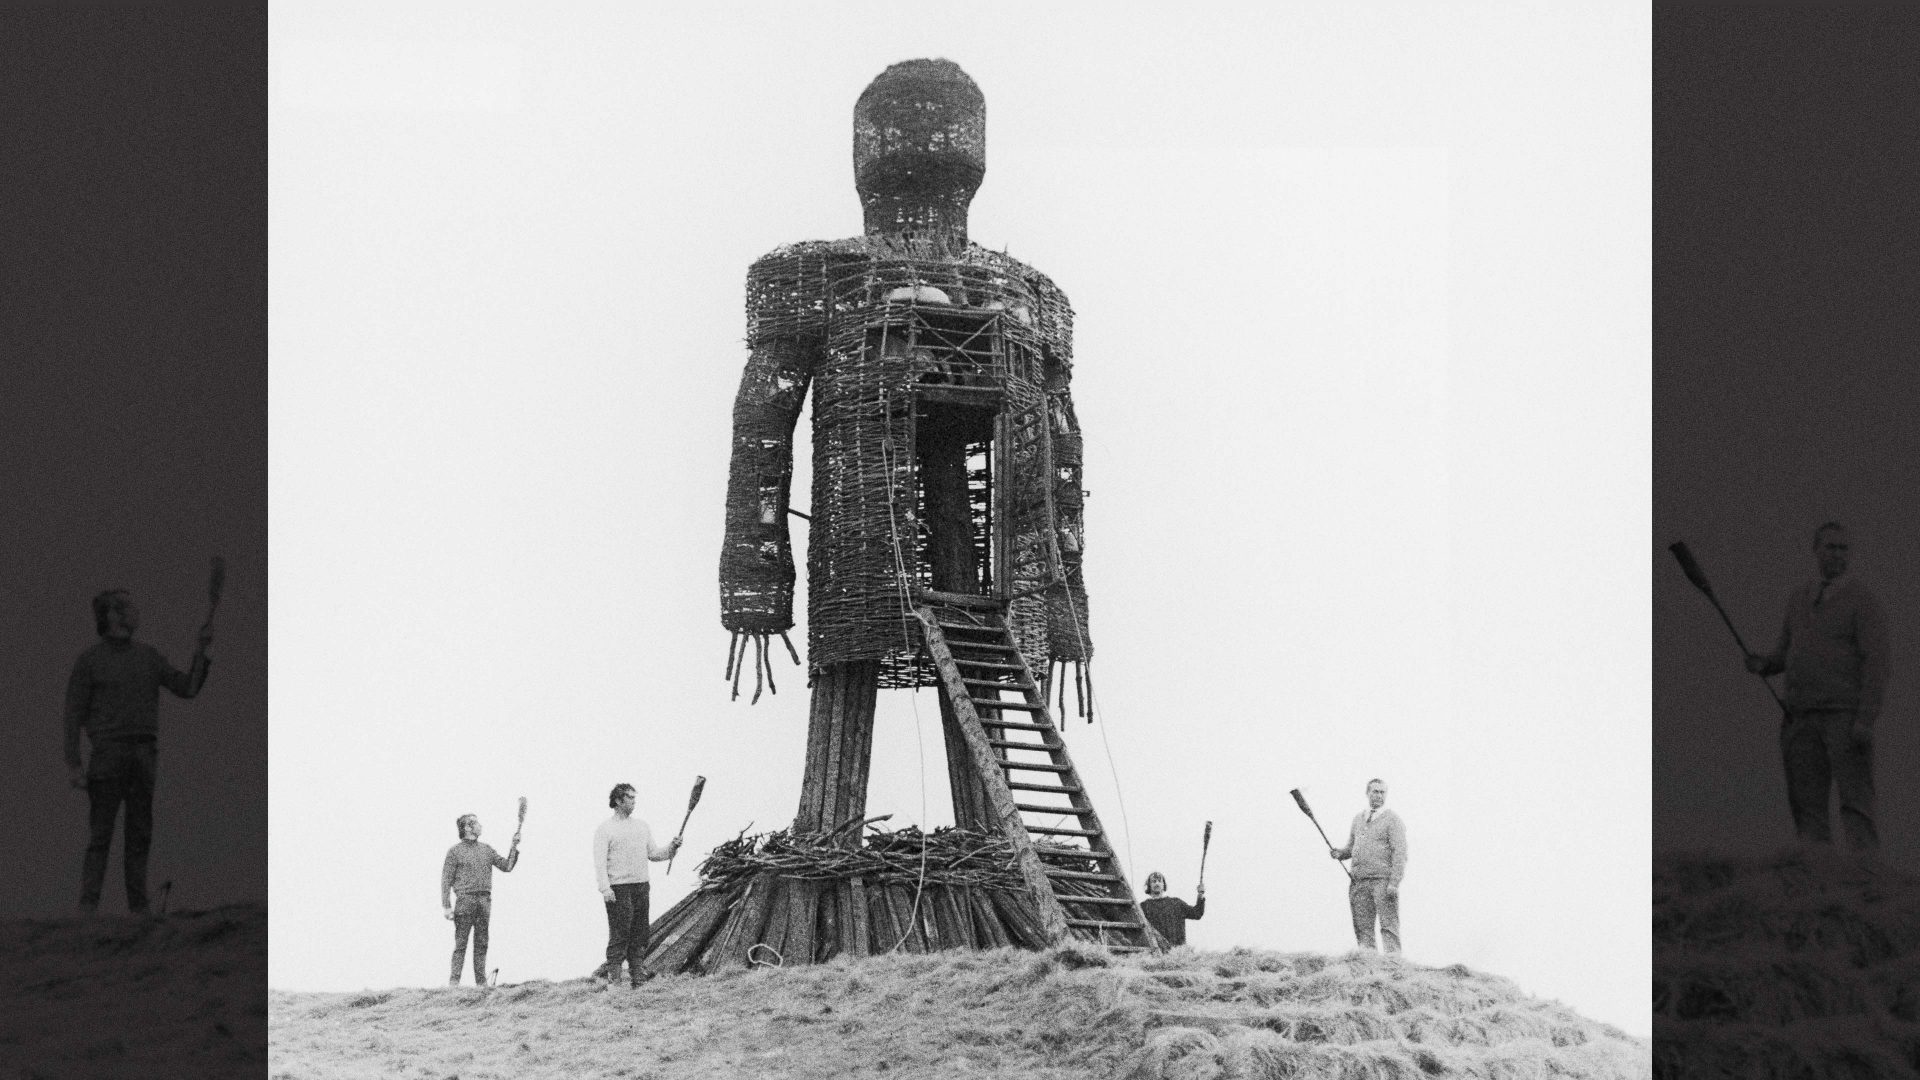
[{"x": 1362, "y": 358}]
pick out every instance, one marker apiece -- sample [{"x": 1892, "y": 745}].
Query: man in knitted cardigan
[
  {"x": 1833, "y": 649},
  {"x": 1377, "y": 844}
]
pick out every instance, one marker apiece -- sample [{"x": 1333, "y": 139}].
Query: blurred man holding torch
[
  {"x": 113, "y": 694},
  {"x": 1833, "y": 650}
]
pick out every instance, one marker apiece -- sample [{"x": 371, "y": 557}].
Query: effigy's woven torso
[{"x": 842, "y": 317}]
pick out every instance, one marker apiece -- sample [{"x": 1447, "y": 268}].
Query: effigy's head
[{"x": 919, "y": 147}]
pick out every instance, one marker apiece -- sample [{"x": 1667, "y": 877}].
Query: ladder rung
[
  {"x": 1103, "y": 924},
  {"x": 1020, "y": 706},
  {"x": 972, "y": 628},
  {"x": 1068, "y": 898},
  {"x": 1051, "y": 831},
  {"x": 1005, "y": 764},
  {"x": 986, "y": 665},
  {"x": 1045, "y": 848},
  {"x": 1073, "y": 789},
  {"x": 983, "y": 646},
  {"x": 1063, "y": 811},
  {"x": 1080, "y": 875},
  {"x": 1011, "y": 745},
  {"x": 993, "y": 684},
  {"x": 1014, "y": 724},
  {"x": 965, "y": 600}
]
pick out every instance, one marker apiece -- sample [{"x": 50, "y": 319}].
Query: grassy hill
[
  {"x": 118, "y": 997},
  {"x": 1073, "y": 1012},
  {"x": 1804, "y": 966}
]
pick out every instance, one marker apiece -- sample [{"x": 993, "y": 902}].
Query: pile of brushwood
[
  {"x": 945, "y": 856},
  {"x": 1805, "y": 965}
]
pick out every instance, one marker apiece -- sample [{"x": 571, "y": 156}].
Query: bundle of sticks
[{"x": 949, "y": 856}]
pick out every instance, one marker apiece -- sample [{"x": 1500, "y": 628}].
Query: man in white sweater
[
  {"x": 622, "y": 847},
  {"x": 1377, "y": 844}
]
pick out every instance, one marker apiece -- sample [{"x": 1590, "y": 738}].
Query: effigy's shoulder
[
  {"x": 1052, "y": 313},
  {"x": 1040, "y": 283},
  {"x": 788, "y": 287},
  {"x": 798, "y": 258}
]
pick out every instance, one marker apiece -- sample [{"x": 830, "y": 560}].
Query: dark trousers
[
  {"x": 627, "y": 929},
  {"x": 471, "y": 912},
  {"x": 120, "y": 772},
  {"x": 1372, "y": 898},
  {"x": 1820, "y": 753}
]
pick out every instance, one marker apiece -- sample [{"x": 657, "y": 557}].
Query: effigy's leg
[
  {"x": 839, "y": 746},
  {"x": 970, "y": 807}
]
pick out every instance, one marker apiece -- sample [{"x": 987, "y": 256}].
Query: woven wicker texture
[
  {"x": 946, "y": 453},
  {"x": 919, "y": 148},
  {"x": 819, "y": 316}
]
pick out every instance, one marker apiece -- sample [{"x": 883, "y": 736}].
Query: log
[
  {"x": 839, "y": 745},
  {"x": 678, "y": 949},
  {"x": 959, "y": 918},
  {"x": 708, "y": 959},
  {"x": 856, "y": 750},
  {"x": 669, "y": 924},
  {"x": 729, "y": 948},
  {"x": 665, "y": 923},
  {"x": 773, "y": 933},
  {"x": 881, "y": 929},
  {"x": 934, "y": 920},
  {"x": 803, "y": 897},
  {"x": 928, "y": 924},
  {"x": 906, "y": 921},
  {"x": 970, "y": 807},
  {"x": 826, "y": 928},
  {"x": 986, "y": 921},
  {"x": 1017, "y": 914},
  {"x": 859, "y": 936}
]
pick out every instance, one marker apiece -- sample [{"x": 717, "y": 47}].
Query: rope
[
  {"x": 778, "y": 960},
  {"x": 1119, "y": 793}
]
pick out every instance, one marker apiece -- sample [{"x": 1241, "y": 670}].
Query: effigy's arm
[
  {"x": 1067, "y": 617},
  {"x": 756, "y": 557}
]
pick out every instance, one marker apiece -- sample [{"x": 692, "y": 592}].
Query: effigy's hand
[{"x": 760, "y": 642}]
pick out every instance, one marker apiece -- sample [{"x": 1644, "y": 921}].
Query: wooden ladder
[{"x": 1062, "y": 848}]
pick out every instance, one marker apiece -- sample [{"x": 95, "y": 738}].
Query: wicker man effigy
[{"x": 946, "y": 451}]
